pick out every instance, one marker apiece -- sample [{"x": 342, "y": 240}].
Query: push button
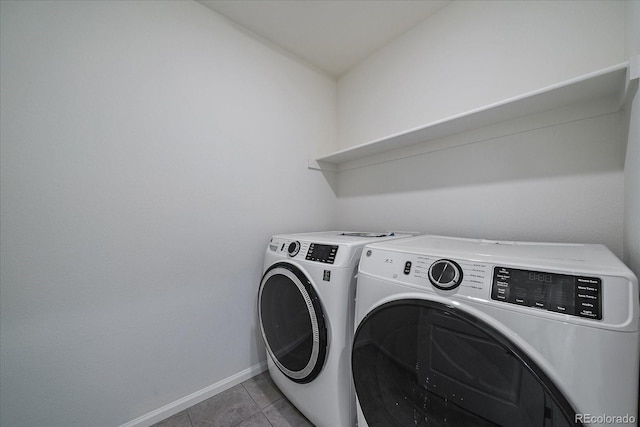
[
  {"x": 407, "y": 267},
  {"x": 520, "y": 296},
  {"x": 501, "y": 293}
]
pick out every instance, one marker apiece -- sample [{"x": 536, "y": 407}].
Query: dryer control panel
[
  {"x": 322, "y": 253},
  {"x": 309, "y": 251},
  {"x": 563, "y": 293}
]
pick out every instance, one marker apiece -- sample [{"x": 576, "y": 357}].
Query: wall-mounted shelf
[{"x": 610, "y": 83}]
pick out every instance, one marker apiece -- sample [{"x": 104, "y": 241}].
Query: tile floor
[{"x": 257, "y": 402}]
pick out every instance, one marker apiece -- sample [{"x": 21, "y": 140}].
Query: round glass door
[
  {"x": 423, "y": 363},
  {"x": 292, "y": 322}
]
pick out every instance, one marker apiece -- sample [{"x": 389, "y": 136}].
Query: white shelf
[{"x": 609, "y": 83}]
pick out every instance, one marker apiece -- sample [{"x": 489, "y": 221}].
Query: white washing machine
[
  {"x": 463, "y": 332},
  {"x": 305, "y": 307}
]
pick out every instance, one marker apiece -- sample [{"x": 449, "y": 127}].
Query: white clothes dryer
[
  {"x": 465, "y": 332},
  {"x": 305, "y": 307}
]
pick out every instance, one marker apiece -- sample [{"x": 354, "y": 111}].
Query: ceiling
[{"x": 332, "y": 35}]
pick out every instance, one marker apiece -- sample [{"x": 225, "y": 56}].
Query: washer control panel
[
  {"x": 577, "y": 295},
  {"x": 563, "y": 293},
  {"x": 446, "y": 275},
  {"x": 572, "y": 283}
]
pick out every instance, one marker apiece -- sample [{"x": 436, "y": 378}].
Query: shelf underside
[{"x": 609, "y": 84}]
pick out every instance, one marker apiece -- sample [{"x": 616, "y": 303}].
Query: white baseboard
[{"x": 183, "y": 403}]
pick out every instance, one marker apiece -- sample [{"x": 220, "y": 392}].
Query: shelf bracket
[
  {"x": 634, "y": 67},
  {"x": 321, "y": 166}
]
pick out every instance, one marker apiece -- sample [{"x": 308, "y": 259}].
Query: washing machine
[
  {"x": 305, "y": 308},
  {"x": 464, "y": 332}
]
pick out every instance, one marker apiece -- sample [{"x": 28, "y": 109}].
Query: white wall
[
  {"x": 561, "y": 182},
  {"x": 149, "y": 149},
  {"x": 632, "y": 159},
  {"x": 471, "y": 54}
]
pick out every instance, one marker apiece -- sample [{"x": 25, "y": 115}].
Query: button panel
[
  {"x": 574, "y": 295},
  {"x": 322, "y": 253},
  {"x": 588, "y": 297}
]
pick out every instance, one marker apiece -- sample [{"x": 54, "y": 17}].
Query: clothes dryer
[
  {"x": 464, "y": 332},
  {"x": 305, "y": 307}
]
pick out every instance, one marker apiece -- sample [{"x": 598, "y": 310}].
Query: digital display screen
[
  {"x": 322, "y": 253},
  {"x": 562, "y": 293}
]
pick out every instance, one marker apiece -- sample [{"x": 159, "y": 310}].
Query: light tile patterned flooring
[{"x": 257, "y": 402}]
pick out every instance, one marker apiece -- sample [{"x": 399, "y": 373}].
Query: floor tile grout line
[
  {"x": 254, "y": 402},
  {"x": 261, "y": 409},
  {"x": 267, "y": 418},
  {"x": 249, "y": 393},
  {"x": 280, "y": 397}
]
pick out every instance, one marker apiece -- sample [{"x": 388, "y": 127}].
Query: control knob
[
  {"x": 445, "y": 274},
  {"x": 293, "y": 248}
]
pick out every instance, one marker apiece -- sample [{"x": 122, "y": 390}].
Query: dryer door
[
  {"x": 292, "y": 322},
  {"x": 423, "y": 363}
]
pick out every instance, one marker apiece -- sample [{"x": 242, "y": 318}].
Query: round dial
[
  {"x": 445, "y": 274},
  {"x": 293, "y": 248}
]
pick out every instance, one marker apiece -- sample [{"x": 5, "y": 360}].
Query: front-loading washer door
[
  {"x": 292, "y": 322},
  {"x": 423, "y": 363}
]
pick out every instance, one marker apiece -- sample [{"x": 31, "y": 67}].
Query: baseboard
[{"x": 181, "y": 404}]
